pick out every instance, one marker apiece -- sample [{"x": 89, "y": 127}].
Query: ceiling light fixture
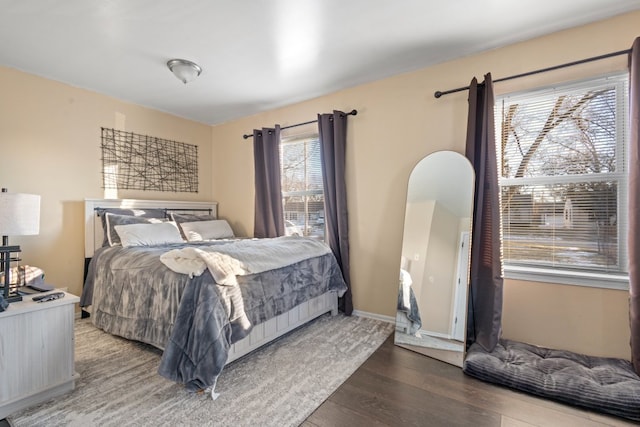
[{"x": 184, "y": 70}]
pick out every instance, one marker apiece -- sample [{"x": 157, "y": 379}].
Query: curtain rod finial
[{"x": 437, "y": 94}]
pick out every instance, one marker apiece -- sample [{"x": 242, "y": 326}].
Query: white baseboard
[{"x": 375, "y": 316}]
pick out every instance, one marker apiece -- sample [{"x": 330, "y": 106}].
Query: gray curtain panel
[
  {"x": 634, "y": 203},
  {"x": 332, "y": 129},
  {"x": 484, "y": 324},
  {"x": 269, "y": 215}
]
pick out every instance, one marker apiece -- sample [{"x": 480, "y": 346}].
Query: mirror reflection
[{"x": 434, "y": 266}]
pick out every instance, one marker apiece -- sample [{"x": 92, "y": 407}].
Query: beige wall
[
  {"x": 50, "y": 145},
  {"x": 50, "y": 139},
  {"x": 436, "y": 299},
  {"x": 398, "y": 122},
  {"x": 415, "y": 242},
  {"x": 586, "y": 320}
]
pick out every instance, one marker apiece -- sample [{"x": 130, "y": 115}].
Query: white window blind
[
  {"x": 563, "y": 177},
  {"x": 302, "y": 188}
]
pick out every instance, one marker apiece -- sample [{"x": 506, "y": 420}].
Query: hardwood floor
[{"x": 398, "y": 387}]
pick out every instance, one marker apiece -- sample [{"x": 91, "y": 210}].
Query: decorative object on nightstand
[{"x": 19, "y": 216}]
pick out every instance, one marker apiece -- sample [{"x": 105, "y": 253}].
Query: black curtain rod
[
  {"x": 438, "y": 93},
  {"x": 350, "y": 113}
]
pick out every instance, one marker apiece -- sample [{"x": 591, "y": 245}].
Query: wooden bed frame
[{"x": 261, "y": 333}]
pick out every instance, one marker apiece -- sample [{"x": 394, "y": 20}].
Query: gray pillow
[
  {"x": 604, "y": 384},
  {"x": 142, "y": 213},
  {"x": 112, "y": 220},
  {"x": 179, "y": 218}
]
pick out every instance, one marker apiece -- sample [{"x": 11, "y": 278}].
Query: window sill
[{"x": 574, "y": 278}]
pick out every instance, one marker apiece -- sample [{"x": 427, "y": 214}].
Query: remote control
[{"x": 49, "y": 297}]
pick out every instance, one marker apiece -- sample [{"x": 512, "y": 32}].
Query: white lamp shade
[
  {"x": 184, "y": 70},
  {"x": 19, "y": 214}
]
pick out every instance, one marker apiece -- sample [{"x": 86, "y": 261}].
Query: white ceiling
[{"x": 257, "y": 55}]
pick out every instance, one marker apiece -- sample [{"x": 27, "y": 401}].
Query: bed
[{"x": 206, "y": 302}]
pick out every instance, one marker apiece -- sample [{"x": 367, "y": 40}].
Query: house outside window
[
  {"x": 562, "y": 168},
  {"x": 302, "y": 188}
]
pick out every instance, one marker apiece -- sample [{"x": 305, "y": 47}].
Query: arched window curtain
[
  {"x": 484, "y": 320},
  {"x": 269, "y": 215},
  {"x": 332, "y": 130},
  {"x": 634, "y": 203}
]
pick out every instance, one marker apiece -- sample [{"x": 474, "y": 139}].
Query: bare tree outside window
[
  {"x": 302, "y": 188},
  {"x": 563, "y": 176}
]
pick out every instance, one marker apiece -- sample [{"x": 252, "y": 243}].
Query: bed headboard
[{"x": 93, "y": 234}]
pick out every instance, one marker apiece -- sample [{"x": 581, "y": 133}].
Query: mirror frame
[{"x": 441, "y": 169}]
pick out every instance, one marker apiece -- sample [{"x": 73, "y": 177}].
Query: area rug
[{"x": 280, "y": 384}]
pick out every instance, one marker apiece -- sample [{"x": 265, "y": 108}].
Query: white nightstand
[{"x": 36, "y": 352}]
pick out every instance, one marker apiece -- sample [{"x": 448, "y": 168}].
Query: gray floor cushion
[{"x": 604, "y": 384}]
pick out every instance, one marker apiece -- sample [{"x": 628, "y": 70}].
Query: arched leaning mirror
[{"x": 434, "y": 266}]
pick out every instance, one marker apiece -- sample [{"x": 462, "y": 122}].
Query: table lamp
[{"x": 19, "y": 216}]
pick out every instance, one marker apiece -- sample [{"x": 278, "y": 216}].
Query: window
[
  {"x": 563, "y": 182},
  {"x": 302, "y": 188}
]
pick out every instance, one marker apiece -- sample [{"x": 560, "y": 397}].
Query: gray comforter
[
  {"x": 412, "y": 312},
  {"x": 194, "y": 320}
]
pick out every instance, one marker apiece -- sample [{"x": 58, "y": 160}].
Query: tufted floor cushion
[{"x": 604, "y": 384}]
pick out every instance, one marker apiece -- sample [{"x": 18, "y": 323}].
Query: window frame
[{"x": 587, "y": 278}]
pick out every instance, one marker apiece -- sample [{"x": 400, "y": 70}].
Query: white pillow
[
  {"x": 206, "y": 230},
  {"x": 148, "y": 234}
]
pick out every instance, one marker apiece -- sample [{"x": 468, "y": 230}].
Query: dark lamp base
[{"x": 13, "y": 296}]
